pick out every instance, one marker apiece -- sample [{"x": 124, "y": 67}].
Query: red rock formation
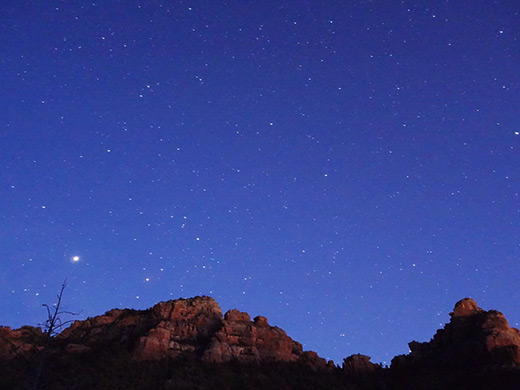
[
  {"x": 184, "y": 326},
  {"x": 477, "y": 349},
  {"x": 359, "y": 364},
  {"x": 472, "y": 345},
  {"x": 23, "y": 342},
  {"x": 191, "y": 327},
  {"x": 119, "y": 326},
  {"x": 242, "y": 340},
  {"x": 473, "y": 336},
  {"x": 465, "y": 307},
  {"x": 196, "y": 327}
]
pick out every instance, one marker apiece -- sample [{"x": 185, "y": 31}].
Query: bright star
[{"x": 75, "y": 259}]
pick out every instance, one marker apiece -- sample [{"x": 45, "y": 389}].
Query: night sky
[{"x": 348, "y": 169}]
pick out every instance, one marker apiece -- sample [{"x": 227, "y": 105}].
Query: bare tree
[
  {"x": 52, "y": 326},
  {"x": 54, "y": 323}
]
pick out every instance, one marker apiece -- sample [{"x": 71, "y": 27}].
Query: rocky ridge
[
  {"x": 181, "y": 328},
  {"x": 196, "y": 327}
]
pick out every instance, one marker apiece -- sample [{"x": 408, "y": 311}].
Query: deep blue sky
[{"x": 348, "y": 169}]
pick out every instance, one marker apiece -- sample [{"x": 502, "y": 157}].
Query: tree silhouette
[{"x": 51, "y": 327}]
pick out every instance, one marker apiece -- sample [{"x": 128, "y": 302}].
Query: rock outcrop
[
  {"x": 23, "y": 342},
  {"x": 189, "y": 344},
  {"x": 195, "y": 327},
  {"x": 191, "y": 328},
  {"x": 359, "y": 364},
  {"x": 473, "y": 337},
  {"x": 184, "y": 326},
  {"x": 115, "y": 326},
  {"x": 244, "y": 340}
]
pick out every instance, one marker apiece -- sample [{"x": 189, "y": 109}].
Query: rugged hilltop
[
  {"x": 473, "y": 337},
  {"x": 190, "y": 344},
  {"x": 191, "y": 328}
]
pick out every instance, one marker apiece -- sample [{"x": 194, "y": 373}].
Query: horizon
[{"x": 77, "y": 317}]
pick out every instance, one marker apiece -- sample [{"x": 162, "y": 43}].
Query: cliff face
[
  {"x": 182, "y": 327},
  {"x": 473, "y": 337}
]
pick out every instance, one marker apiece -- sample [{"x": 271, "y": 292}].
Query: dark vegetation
[{"x": 113, "y": 368}]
